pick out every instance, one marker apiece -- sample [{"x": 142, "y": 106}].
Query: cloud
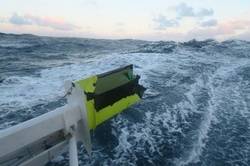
[
  {"x": 204, "y": 12},
  {"x": 55, "y": 23},
  {"x": 209, "y": 23},
  {"x": 210, "y": 29},
  {"x": 19, "y": 20},
  {"x": 232, "y": 27},
  {"x": 162, "y": 22},
  {"x": 183, "y": 10},
  {"x": 243, "y": 36},
  {"x": 223, "y": 30}
]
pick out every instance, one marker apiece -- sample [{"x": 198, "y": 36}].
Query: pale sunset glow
[{"x": 117, "y": 19}]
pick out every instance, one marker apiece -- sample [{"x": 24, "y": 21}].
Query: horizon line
[{"x": 117, "y": 39}]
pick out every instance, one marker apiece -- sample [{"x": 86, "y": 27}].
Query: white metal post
[{"x": 73, "y": 156}]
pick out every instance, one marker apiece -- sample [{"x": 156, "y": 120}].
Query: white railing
[{"x": 39, "y": 140}]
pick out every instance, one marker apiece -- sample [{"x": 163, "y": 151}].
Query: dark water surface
[{"x": 196, "y": 110}]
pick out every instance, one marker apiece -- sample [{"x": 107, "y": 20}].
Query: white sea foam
[
  {"x": 26, "y": 91},
  {"x": 217, "y": 91},
  {"x": 135, "y": 137}
]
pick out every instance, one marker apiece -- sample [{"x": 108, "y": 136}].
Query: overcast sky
[{"x": 137, "y": 19}]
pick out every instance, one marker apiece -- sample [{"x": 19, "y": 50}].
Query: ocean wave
[{"x": 195, "y": 110}]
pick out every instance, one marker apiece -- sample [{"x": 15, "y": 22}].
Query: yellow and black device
[{"x": 110, "y": 93}]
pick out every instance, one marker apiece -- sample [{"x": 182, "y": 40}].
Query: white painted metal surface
[
  {"x": 71, "y": 120},
  {"x": 73, "y": 160},
  {"x": 77, "y": 97},
  {"x": 47, "y": 155}
]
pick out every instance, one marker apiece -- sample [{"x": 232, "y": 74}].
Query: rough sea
[{"x": 195, "y": 112}]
